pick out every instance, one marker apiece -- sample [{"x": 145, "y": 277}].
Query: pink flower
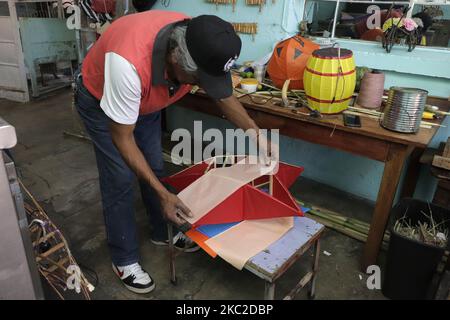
[{"x": 409, "y": 24}]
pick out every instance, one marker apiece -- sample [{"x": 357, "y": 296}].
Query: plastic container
[
  {"x": 249, "y": 85},
  {"x": 411, "y": 264},
  {"x": 259, "y": 72}
]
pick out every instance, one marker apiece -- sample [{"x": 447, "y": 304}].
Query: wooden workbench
[{"x": 370, "y": 141}]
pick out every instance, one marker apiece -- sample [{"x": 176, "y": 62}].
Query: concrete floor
[{"x": 61, "y": 173}]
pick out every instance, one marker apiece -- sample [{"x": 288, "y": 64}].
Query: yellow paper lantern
[{"x": 330, "y": 80}]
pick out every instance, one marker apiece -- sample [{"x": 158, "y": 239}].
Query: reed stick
[
  {"x": 357, "y": 235},
  {"x": 349, "y": 226}
]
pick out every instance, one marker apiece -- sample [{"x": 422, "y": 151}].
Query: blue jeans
[{"x": 117, "y": 179}]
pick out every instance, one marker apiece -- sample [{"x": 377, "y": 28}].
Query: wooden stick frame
[
  {"x": 52, "y": 263},
  {"x": 235, "y": 158}
]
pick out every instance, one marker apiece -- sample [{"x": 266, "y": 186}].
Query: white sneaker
[{"x": 135, "y": 278}]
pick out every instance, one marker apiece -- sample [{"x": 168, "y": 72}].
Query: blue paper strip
[
  {"x": 212, "y": 230},
  {"x": 305, "y": 209}
]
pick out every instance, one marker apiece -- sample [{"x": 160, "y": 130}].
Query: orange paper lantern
[{"x": 289, "y": 60}]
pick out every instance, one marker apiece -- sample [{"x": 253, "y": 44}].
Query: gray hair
[{"x": 179, "y": 46}]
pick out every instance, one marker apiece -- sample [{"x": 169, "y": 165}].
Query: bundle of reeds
[{"x": 351, "y": 227}]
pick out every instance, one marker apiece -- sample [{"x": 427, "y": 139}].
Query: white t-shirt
[{"x": 122, "y": 90}]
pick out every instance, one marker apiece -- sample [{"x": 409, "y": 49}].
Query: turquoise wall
[
  {"x": 424, "y": 67},
  {"x": 45, "y": 40},
  {"x": 275, "y": 21}
]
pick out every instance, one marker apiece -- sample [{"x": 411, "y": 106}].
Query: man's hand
[
  {"x": 268, "y": 150},
  {"x": 235, "y": 112},
  {"x": 174, "y": 209}
]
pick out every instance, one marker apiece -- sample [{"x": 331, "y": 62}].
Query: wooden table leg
[
  {"x": 315, "y": 269},
  {"x": 412, "y": 174},
  {"x": 391, "y": 175},
  {"x": 173, "y": 275},
  {"x": 269, "y": 292}
]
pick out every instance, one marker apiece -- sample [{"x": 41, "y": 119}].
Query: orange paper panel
[{"x": 199, "y": 238}]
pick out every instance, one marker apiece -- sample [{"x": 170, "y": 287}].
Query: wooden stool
[{"x": 272, "y": 263}]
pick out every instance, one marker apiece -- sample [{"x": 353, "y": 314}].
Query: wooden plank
[
  {"x": 300, "y": 285},
  {"x": 427, "y": 158},
  {"x": 446, "y": 153},
  {"x": 370, "y": 127},
  {"x": 324, "y": 135},
  {"x": 386, "y": 195},
  {"x": 313, "y": 131},
  {"x": 441, "y": 162}
]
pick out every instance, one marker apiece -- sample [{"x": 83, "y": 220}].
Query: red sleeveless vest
[{"x": 133, "y": 37}]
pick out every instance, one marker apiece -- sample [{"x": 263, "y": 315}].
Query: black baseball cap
[{"x": 214, "y": 46}]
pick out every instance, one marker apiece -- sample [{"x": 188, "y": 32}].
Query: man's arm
[
  {"x": 235, "y": 112},
  {"x": 120, "y": 102},
  {"x": 123, "y": 138}
]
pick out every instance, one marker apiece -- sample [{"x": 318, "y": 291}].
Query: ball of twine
[{"x": 371, "y": 91}]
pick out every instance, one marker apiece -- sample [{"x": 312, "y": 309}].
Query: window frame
[{"x": 411, "y": 3}]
